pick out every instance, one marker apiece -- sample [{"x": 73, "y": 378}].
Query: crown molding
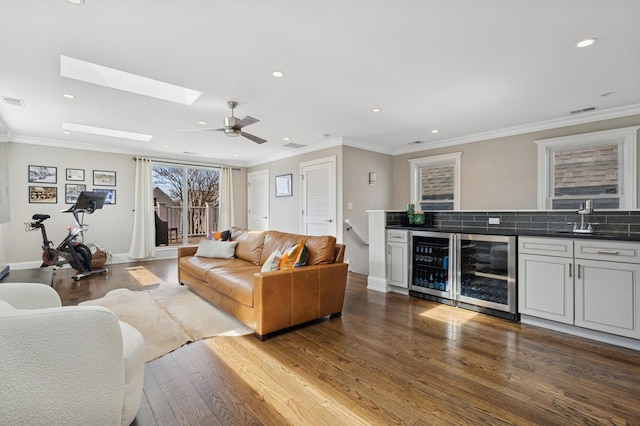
[
  {"x": 526, "y": 128},
  {"x": 330, "y": 143}
]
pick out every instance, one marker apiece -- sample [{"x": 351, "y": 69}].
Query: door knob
[
  {"x": 264, "y": 217},
  {"x": 328, "y": 220}
]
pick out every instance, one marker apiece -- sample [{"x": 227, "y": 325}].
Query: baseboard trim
[
  {"x": 162, "y": 253},
  {"x": 599, "y": 336}
]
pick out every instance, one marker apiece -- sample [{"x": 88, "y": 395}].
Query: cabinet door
[
  {"x": 607, "y": 297},
  {"x": 546, "y": 287},
  {"x": 397, "y": 265}
]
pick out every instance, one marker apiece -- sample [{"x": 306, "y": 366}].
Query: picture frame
[
  {"x": 111, "y": 195},
  {"x": 43, "y": 174},
  {"x": 75, "y": 174},
  {"x": 72, "y": 192},
  {"x": 43, "y": 194},
  {"x": 104, "y": 178},
  {"x": 284, "y": 185}
]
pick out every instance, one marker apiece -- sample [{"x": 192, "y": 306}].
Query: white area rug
[{"x": 169, "y": 316}]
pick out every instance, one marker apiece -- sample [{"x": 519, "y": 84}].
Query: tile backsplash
[{"x": 623, "y": 222}]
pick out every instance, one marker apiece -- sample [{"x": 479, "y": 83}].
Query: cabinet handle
[
  {"x": 396, "y": 236},
  {"x": 608, "y": 252},
  {"x": 570, "y": 269},
  {"x": 388, "y": 249},
  {"x": 578, "y": 271}
]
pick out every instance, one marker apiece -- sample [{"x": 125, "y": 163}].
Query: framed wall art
[
  {"x": 43, "y": 174},
  {"x": 111, "y": 195},
  {"x": 284, "y": 185},
  {"x": 43, "y": 194},
  {"x": 104, "y": 178},
  {"x": 72, "y": 192},
  {"x": 75, "y": 174}
]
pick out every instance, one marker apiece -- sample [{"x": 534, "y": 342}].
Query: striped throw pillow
[{"x": 294, "y": 257}]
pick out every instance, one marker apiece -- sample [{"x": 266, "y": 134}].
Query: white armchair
[{"x": 73, "y": 365}]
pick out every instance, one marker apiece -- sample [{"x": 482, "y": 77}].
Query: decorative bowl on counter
[{"x": 416, "y": 219}]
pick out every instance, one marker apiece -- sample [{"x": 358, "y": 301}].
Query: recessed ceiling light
[
  {"x": 277, "y": 74},
  {"x": 236, "y": 155},
  {"x": 116, "y": 79},
  {"x": 68, "y": 96},
  {"x": 435, "y": 131},
  {"x": 286, "y": 139},
  {"x": 587, "y": 42},
  {"x": 79, "y": 2},
  {"x": 202, "y": 123},
  {"x": 81, "y": 128},
  {"x": 376, "y": 109},
  {"x": 66, "y": 132},
  {"x": 165, "y": 146}
]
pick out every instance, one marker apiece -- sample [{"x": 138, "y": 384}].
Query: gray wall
[
  {"x": 109, "y": 227},
  {"x": 357, "y": 191},
  {"x": 497, "y": 174}
]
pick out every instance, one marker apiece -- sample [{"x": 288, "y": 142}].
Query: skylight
[
  {"x": 116, "y": 79},
  {"x": 81, "y": 128}
]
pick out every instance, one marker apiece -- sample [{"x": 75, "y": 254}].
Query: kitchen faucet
[{"x": 585, "y": 208}]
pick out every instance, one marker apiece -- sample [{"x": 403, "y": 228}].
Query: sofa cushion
[
  {"x": 320, "y": 249},
  {"x": 250, "y": 244},
  {"x": 217, "y": 249},
  {"x": 294, "y": 257},
  {"x": 273, "y": 262},
  {"x": 199, "y": 266},
  {"x": 235, "y": 282}
]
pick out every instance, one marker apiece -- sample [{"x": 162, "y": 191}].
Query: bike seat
[{"x": 40, "y": 216}]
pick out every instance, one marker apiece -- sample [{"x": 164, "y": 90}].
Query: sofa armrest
[
  {"x": 290, "y": 297},
  {"x": 187, "y": 251}
]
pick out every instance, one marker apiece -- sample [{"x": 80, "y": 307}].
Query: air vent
[
  {"x": 416, "y": 142},
  {"x": 13, "y": 101},
  {"x": 580, "y": 111},
  {"x": 294, "y": 145}
]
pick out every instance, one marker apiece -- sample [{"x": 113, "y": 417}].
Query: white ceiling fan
[{"x": 233, "y": 126}]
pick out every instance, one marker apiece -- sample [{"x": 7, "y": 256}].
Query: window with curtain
[{"x": 186, "y": 200}]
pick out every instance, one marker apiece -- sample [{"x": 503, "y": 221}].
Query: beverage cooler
[{"x": 472, "y": 271}]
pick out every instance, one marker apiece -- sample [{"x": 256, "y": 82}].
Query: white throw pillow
[
  {"x": 217, "y": 249},
  {"x": 272, "y": 262}
]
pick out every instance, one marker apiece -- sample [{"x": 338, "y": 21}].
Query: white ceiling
[{"x": 468, "y": 68}]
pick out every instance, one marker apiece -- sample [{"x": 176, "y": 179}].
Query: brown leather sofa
[{"x": 269, "y": 301}]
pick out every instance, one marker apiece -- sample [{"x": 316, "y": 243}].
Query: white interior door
[
  {"x": 258, "y": 200},
  {"x": 319, "y": 197}
]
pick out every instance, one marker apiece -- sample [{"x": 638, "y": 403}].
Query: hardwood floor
[{"x": 390, "y": 359}]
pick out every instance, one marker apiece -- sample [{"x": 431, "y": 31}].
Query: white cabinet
[
  {"x": 591, "y": 284},
  {"x": 607, "y": 292},
  {"x": 545, "y": 278},
  {"x": 398, "y": 258}
]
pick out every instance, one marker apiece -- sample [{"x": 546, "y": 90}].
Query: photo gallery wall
[{"x": 45, "y": 178}]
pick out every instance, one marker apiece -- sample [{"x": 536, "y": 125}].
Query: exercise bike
[{"x": 71, "y": 250}]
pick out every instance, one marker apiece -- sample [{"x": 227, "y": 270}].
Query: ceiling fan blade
[
  {"x": 253, "y": 138},
  {"x": 245, "y": 122},
  {"x": 201, "y": 130}
]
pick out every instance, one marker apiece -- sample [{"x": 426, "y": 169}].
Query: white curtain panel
[
  {"x": 226, "y": 199},
  {"x": 143, "y": 244}
]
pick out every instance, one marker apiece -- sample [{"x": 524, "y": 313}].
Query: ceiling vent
[
  {"x": 13, "y": 101},
  {"x": 294, "y": 145},
  {"x": 416, "y": 142},
  {"x": 580, "y": 111}
]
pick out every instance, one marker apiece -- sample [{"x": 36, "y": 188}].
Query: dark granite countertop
[{"x": 527, "y": 233}]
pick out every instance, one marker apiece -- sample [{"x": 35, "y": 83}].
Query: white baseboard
[
  {"x": 612, "y": 339},
  {"x": 377, "y": 284},
  {"x": 162, "y": 253}
]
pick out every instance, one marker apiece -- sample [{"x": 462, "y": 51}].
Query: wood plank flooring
[{"x": 389, "y": 360}]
